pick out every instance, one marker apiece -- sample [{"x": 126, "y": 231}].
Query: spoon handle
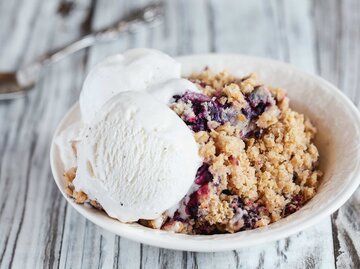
[
  {"x": 147, "y": 16},
  {"x": 150, "y": 15}
]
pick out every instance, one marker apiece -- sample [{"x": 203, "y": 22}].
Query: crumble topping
[
  {"x": 258, "y": 152},
  {"x": 259, "y": 161}
]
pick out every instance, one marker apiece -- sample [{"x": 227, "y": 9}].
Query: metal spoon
[{"x": 16, "y": 84}]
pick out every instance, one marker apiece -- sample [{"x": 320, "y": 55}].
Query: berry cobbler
[{"x": 259, "y": 161}]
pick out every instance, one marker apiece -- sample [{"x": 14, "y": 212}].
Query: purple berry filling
[
  {"x": 249, "y": 213},
  {"x": 206, "y": 229},
  {"x": 192, "y": 207},
  {"x": 258, "y": 100},
  {"x": 226, "y": 192},
  {"x": 203, "y": 175},
  {"x": 296, "y": 203},
  {"x": 260, "y": 96},
  {"x": 177, "y": 216},
  {"x": 205, "y": 110}
]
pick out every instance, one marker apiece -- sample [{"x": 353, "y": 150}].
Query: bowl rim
[{"x": 205, "y": 243}]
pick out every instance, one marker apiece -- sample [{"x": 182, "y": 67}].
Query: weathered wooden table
[{"x": 37, "y": 227}]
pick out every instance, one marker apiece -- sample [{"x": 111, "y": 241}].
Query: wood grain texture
[
  {"x": 39, "y": 230},
  {"x": 338, "y": 60}
]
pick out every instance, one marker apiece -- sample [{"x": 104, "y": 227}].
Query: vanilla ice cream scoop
[
  {"x": 144, "y": 70},
  {"x": 137, "y": 158}
]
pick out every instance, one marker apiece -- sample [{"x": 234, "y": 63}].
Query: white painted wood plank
[
  {"x": 106, "y": 13},
  {"x": 246, "y": 27},
  {"x": 56, "y": 234},
  {"x": 32, "y": 208},
  {"x": 295, "y": 33},
  {"x": 338, "y": 46},
  {"x": 347, "y": 233},
  {"x": 127, "y": 254}
]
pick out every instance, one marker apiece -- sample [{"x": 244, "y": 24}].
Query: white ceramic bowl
[{"x": 338, "y": 124}]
